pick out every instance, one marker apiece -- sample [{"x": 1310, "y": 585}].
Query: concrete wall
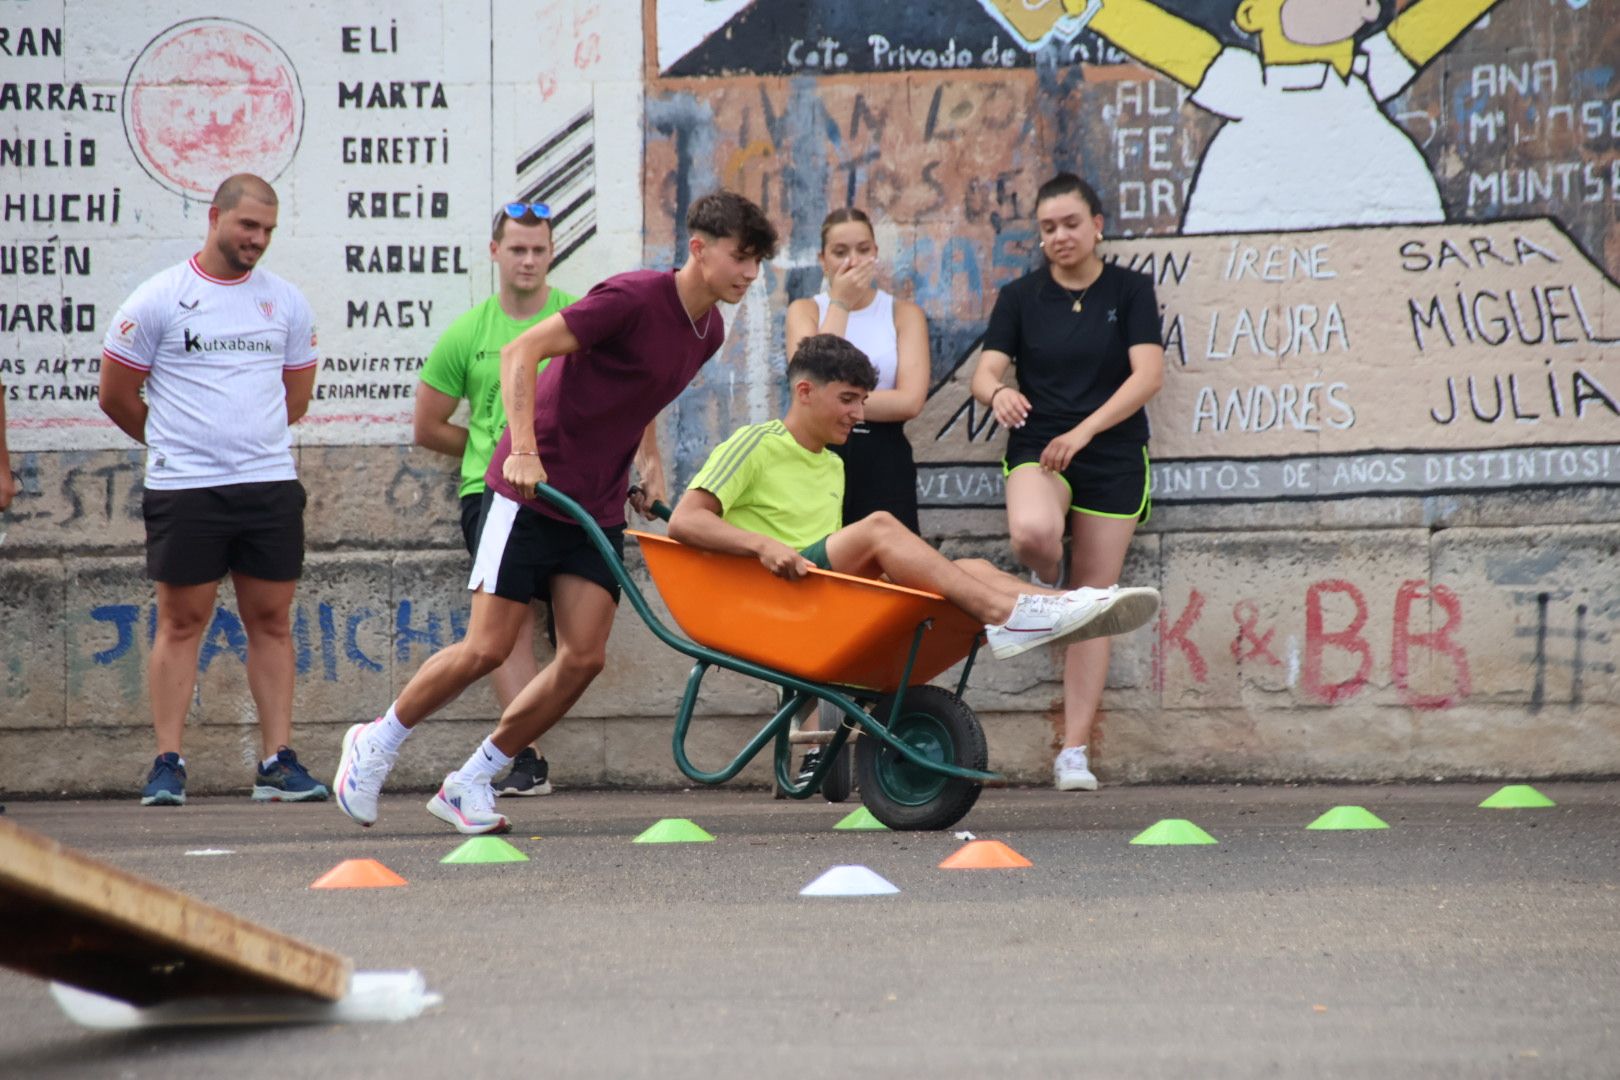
[{"x": 1387, "y": 458}]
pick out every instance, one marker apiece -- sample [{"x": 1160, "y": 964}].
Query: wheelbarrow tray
[{"x": 827, "y": 627}]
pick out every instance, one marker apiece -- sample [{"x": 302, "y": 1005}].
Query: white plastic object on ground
[{"x": 372, "y": 996}]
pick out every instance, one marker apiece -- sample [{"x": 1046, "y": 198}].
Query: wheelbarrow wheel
[
  {"x": 840, "y": 780},
  {"x": 902, "y": 795}
]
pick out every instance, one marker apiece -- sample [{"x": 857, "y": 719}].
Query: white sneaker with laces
[
  {"x": 1035, "y": 620},
  {"x": 470, "y": 807},
  {"x": 1110, "y": 611},
  {"x": 360, "y": 774},
  {"x": 1072, "y": 772},
  {"x": 1039, "y": 619}
]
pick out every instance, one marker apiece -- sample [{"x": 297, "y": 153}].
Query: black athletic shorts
[
  {"x": 197, "y": 535},
  {"x": 472, "y": 512},
  {"x": 1105, "y": 479},
  {"x": 879, "y": 473},
  {"x": 520, "y": 550}
]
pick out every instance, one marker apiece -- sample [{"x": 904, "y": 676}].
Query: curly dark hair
[
  {"x": 727, "y": 215},
  {"x": 828, "y": 358}
]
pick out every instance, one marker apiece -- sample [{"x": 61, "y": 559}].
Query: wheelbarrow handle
[{"x": 660, "y": 509}]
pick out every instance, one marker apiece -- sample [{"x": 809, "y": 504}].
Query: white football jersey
[{"x": 214, "y": 352}]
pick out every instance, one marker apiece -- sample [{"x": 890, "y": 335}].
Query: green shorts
[{"x": 817, "y": 553}]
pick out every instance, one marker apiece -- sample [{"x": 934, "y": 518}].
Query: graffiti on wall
[
  {"x": 832, "y": 37},
  {"x": 209, "y": 97},
  {"x": 1341, "y": 318},
  {"x": 377, "y": 129}
]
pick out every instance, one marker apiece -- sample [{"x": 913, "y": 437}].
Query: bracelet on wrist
[
  {"x": 525, "y": 453},
  {"x": 835, "y": 302},
  {"x": 996, "y": 391}
]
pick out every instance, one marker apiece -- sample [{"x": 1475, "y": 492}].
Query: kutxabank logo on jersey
[{"x": 196, "y": 343}]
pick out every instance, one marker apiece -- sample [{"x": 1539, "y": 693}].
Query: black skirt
[{"x": 879, "y": 473}]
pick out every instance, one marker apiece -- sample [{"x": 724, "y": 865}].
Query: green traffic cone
[
  {"x": 673, "y": 830},
  {"x": 1517, "y": 797},
  {"x": 1173, "y": 831},
  {"x": 860, "y": 818},
  {"x": 1349, "y": 817},
  {"x": 485, "y": 849}
]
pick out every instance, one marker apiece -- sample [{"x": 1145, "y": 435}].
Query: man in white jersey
[{"x": 226, "y": 353}]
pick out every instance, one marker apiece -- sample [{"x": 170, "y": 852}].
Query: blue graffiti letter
[
  {"x": 123, "y": 616},
  {"x": 229, "y": 626},
  {"x": 351, "y": 644},
  {"x": 406, "y": 635}
]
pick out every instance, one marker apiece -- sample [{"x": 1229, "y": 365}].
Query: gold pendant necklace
[{"x": 1079, "y": 297}]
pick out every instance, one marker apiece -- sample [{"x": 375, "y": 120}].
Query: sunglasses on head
[{"x": 517, "y": 211}]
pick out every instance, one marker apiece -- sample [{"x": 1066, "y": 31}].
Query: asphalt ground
[{"x": 1459, "y": 942}]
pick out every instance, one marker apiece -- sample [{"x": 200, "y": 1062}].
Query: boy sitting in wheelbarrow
[{"x": 775, "y": 492}]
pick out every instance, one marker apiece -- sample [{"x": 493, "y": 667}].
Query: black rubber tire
[
  {"x": 839, "y": 782},
  {"x": 905, "y": 796}
]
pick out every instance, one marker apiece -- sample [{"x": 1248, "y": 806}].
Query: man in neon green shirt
[
  {"x": 466, "y": 364},
  {"x": 774, "y": 491}
]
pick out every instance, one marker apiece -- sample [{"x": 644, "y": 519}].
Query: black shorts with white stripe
[{"x": 520, "y": 550}]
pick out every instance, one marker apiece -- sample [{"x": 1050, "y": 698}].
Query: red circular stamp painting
[{"x": 210, "y": 97}]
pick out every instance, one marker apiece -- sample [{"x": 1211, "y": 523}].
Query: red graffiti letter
[
  {"x": 1177, "y": 635},
  {"x": 1349, "y": 639},
  {"x": 1439, "y": 641}
]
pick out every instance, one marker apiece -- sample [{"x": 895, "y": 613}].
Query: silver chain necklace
[{"x": 693, "y": 324}]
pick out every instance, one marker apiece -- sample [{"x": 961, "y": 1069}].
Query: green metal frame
[{"x": 796, "y": 691}]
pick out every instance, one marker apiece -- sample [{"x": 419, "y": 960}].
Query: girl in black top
[{"x": 1085, "y": 338}]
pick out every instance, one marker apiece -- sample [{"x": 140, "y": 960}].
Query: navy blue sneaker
[
  {"x": 166, "y": 783},
  {"x": 287, "y": 781}
]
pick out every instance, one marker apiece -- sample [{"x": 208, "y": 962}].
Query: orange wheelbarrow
[{"x": 864, "y": 648}]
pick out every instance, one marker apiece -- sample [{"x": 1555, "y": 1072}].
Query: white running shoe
[
  {"x": 1036, "y": 619},
  {"x": 468, "y": 807},
  {"x": 1074, "y": 616},
  {"x": 1111, "y": 611},
  {"x": 360, "y": 774},
  {"x": 1072, "y": 772}
]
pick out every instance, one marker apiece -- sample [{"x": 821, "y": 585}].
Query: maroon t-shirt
[{"x": 638, "y": 351}]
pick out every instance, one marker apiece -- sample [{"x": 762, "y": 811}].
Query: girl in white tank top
[
  {"x": 871, "y": 330},
  {"x": 879, "y": 473}
]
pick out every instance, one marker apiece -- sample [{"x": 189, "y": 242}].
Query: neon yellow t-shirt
[
  {"x": 466, "y": 363},
  {"x": 767, "y": 483}
]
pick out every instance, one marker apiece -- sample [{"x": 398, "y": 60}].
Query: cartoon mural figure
[{"x": 1306, "y": 144}]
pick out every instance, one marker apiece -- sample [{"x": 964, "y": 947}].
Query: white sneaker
[
  {"x": 360, "y": 774},
  {"x": 1072, "y": 772},
  {"x": 1035, "y": 580},
  {"x": 1110, "y": 611},
  {"x": 1035, "y": 620},
  {"x": 470, "y": 807}
]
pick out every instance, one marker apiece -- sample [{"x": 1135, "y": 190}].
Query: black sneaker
[
  {"x": 166, "y": 783},
  {"x": 287, "y": 781},
  {"x": 528, "y": 775},
  {"x": 812, "y": 758}
]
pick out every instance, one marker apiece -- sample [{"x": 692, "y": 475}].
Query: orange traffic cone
[
  {"x": 985, "y": 855},
  {"x": 357, "y": 874}
]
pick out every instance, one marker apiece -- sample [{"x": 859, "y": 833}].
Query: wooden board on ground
[{"x": 67, "y": 917}]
